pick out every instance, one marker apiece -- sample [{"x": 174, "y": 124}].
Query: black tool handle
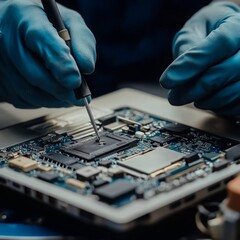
[{"x": 55, "y": 18}]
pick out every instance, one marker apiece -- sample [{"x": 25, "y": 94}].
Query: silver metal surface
[{"x": 91, "y": 118}]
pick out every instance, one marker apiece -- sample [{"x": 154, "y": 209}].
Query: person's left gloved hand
[{"x": 206, "y": 70}]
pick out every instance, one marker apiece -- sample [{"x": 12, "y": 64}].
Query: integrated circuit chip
[
  {"x": 48, "y": 176},
  {"x": 153, "y": 161},
  {"x": 89, "y": 150},
  {"x": 163, "y": 140},
  {"x": 59, "y": 158},
  {"x": 115, "y": 191},
  {"x": 175, "y": 127}
]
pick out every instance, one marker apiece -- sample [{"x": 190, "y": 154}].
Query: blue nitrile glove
[
  {"x": 36, "y": 68},
  {"x": 206, "y": 70}
]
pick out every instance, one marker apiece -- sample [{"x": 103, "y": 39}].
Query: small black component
[
  {"x": 108, "y": 119},
  {"x": 211, "y": 156},
  {"x": 146, "y": 121},
  {"x": 99, "y": 183},
  {"x": 91, "y": 149},
  {"x": 59, "y": 158},
  {"x": 105, "y": 163},
  {"x": 192, "y": 157},
  {"x": 163, "y": 140},
  {"x": 114, "y": 191},
  {"x": 175, "y": 127},
  {"x": 131, "y": 132},
  {"x": 217, "y": 166},
  {"x": 233, "y": 153},
  {"x": 48, "y": 176},
  {"x": 133, "y": 128},
  {"x": 115, "y": 173},
  {"x": 77, "y": 166}
]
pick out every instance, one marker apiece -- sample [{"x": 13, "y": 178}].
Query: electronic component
[
  {"x": 184, "y": 172},
  {"x": 233, "y": 153},
  {"x": 146, "y": 121},
  {"x": 211, "y": 156},
  {"x": 175, "y": 127},
  {"x": 59, "y": 158},
  {"x": 139, "y": 134},
  {"x": 153, "y": 161},
  {"x": 77, "y": 166},
  {"x": 76, "y": 183},
  {"x": 219, "y": 165},
  {"x": 48, "y": 176},
  {"x": 163, "y": 140},
  {"x": 44, "y": 168},
  {"x": 105, "y": 120},
  {"x": 87, "y": 173},
  {"x": 115, "y": 172},
  {"x": 133, "y": 128},
  {"x": 23, "y": 163},
  {"x": 128, "y": 121},
  {"x": 115, "y": 191},
  {"x": 99, "y": 182},
  {"x": 105, "y": 163},
  {"x": 92, "y": 149},
  {"x": 192, "y": 157},
  {"x": 114, "y": 126}
]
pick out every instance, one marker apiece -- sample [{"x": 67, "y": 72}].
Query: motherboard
[{"x": 139, "y": 156}]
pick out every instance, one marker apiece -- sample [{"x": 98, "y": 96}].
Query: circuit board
[{"x": 139, "y": 156}]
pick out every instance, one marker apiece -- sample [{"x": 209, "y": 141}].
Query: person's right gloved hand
[{"x": 36, "y": 68}]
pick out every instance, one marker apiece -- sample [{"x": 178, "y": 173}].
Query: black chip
[
  {"x": 133, "y": 129},
  {"x": 115, "y": 173},
  {"x": 48, "y": 176},
  {"x": 105, "y": 163},
  {"x": 89, "y": 150},
  {"x": 211, "y": 156},
  {"x": 146, "y": 121},
  {"x": 217, "y": 166},
  {"x": 108, "y": 119},
  {"x": 77, "y": 166},
  {"x": 114, "y": 191},
  {"x": 59, "y": 158},
  {"x": 192, "y": 157},
  {"x": 163, "y": 140},
  {"x": 99, "y": 183},
  {"x": 175, "y": 127},
  {"x": 233, "y": 153}
]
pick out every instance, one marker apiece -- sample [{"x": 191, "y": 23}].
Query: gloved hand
[
  {"x": 206, "y": 70},
  {"x": 36, "y": 68}
]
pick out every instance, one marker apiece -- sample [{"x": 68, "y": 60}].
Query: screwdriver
[{"x": 55, "y": 18}]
